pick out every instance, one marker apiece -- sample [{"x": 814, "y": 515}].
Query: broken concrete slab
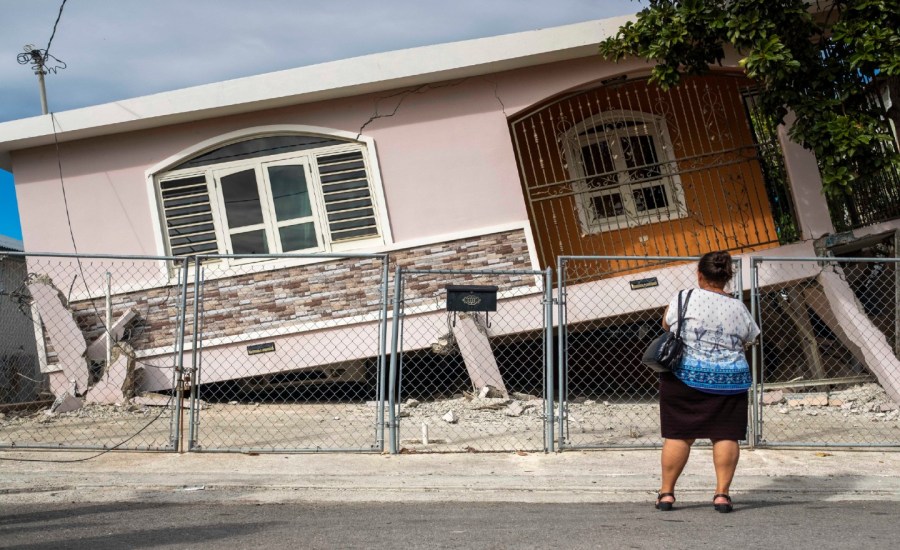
[
  {"x": 97, "y": 349},
  {"x": 58, "y": 381},
  {"x": 117, "y": 383},
  {"x": 808, "y": 400},
  {"x": 772, "y": 397},
  {"x": 479, "y": 404},
  {"x": 514, "y": 409},
  {"x": 62, "y": 330},
  {"x": 65, "y": 403},
  {"x": 450, "y": 417},
  {"x": 524, "y": 396},
  {"x": 490, "y": 391}
]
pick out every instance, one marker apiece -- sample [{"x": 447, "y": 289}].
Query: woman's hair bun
[{"x": 716, "y": 267}]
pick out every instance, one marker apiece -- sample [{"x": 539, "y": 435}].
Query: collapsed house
[{"x": 503, "y": 153}]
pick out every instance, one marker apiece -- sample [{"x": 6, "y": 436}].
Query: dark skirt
[{"x": 686, "y": 413}]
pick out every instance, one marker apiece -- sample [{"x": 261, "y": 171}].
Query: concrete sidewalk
[{"x": 571, "y": 477}]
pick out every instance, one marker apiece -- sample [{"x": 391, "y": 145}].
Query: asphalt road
[{"x": 794, "y": 525}]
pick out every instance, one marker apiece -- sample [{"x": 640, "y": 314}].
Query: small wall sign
[
  {"x": 256, "y": 349},
  {"x": 643, "y": 283}
]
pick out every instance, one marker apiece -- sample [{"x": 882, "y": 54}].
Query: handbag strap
[{"x": 682, "y": 311}]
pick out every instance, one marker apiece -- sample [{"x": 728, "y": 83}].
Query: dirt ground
[{"x": 860, "y": 415}]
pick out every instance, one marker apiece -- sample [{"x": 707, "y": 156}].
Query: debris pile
[{"x": 866, "y": 400}]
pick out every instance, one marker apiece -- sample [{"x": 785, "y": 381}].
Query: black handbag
[{"x": 665, "y": 351}]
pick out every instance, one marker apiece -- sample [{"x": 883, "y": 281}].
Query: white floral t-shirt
[{"x": 716, "y": 328}]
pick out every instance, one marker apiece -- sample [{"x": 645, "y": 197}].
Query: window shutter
[
  {"x": 188, "y": 216},
  {"x": 348, "y": 198}
]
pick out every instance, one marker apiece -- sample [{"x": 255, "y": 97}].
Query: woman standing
[{"x": 706, "y": 396}]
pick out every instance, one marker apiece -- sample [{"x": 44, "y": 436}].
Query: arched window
[
  {"x": 621, "y": 162},
  {"x": 270, "y": 194}
]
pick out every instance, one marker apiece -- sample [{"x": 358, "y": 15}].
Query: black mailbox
[{"x": 471, "y": 298}]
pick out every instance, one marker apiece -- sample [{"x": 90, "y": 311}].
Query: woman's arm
[{"x": 665, "y": 325}]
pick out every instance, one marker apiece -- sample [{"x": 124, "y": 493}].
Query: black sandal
[
  {"x": 664, "y": 506},
  {"x": 722, "y": 508}
]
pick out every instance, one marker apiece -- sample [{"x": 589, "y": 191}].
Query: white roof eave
[{"x": 337, "y": 79}]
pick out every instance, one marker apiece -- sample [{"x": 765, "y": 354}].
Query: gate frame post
[
  {"x": 756, "y": 363},
  {"x": 548, "y": 361},
  {"x": 392, "y": 376},
  {"x": 194, "y": 419},
  {"x": 382, "y": 353},
  {"x": 178, "y": 409},
  {"x": 562, "y": 346}
]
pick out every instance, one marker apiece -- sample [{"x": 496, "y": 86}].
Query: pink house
[{"x": 503, "y": 153}]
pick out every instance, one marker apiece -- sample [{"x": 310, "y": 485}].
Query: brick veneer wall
[{"x": 259, "y": 300}]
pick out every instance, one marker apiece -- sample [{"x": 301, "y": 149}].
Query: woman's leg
[
  {"x": 675, "y": 453},
  {"x": 726, "y": 453}
]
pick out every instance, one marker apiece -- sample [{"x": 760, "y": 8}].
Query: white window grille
[{"x": 622, "y": 166}]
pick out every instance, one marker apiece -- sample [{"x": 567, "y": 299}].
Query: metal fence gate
[
  {"x": 607, "y": 397},
  {"x": 288, "y": 359},
  {"x": 468, "y": 376},
  {"x": 80, "y": 335},
  {"x": 830, "y": 374}
]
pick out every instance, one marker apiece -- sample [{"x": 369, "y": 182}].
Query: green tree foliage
[{"x": 815, "y": 60}]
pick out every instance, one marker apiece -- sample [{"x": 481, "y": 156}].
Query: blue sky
[
  {"x": 129, "y": 48},
  {"x": 9, "y": 217}
]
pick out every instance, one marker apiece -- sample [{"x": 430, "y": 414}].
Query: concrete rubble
[
  {"x": 70, "y": 377},
  {"x": 861, "y": 413},
  {"x": 867, "y": 400}
]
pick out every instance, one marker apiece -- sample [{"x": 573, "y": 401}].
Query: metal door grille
[{"x": 626, "y": 169}]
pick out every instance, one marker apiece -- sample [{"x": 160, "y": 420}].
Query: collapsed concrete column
[
  {"x": 848, "y": 320},
  {"x": 67, "y": 339},
  {"x": 472, "y": 338}
]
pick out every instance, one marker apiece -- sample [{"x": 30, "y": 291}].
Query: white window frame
[
  {"x": 270, "y": 223},
  {"x": 650, "y": 125},
  {"x": 317, "y": 208},
  {"x": 162, "y": 172}
]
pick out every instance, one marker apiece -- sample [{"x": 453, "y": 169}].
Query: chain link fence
[
  {"x": 610, "y": 309},
  {"x": 82, "y": 335},
  {"x": 469, "y": 361},
  {"x": 830, "y": 374},
  {"x": 288, "y": 353}
]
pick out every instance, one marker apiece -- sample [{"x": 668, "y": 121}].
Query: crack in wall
[
  {"x": 497, "y": 95},
  {"x": 403, "y": 95}
]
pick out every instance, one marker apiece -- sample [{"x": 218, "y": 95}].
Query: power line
[{"x": 58, "y": 17}]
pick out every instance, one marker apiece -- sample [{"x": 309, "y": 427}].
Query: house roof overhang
[{"x": 332, "y": 80}]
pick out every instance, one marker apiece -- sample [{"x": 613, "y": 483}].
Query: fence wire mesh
[
  {"x": 607, "y": 397},
  {"x": 85, "y": 341},
  {"x": 830, "y": 373},
  {"x": 289, "y": 358},
  {"x": 288, "y": 353},
  {"x": 471, "y": 381}
]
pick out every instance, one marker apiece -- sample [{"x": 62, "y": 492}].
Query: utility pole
[
  {"x": 36, "y": 56},
  {"x": 38, "y": 60}
]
